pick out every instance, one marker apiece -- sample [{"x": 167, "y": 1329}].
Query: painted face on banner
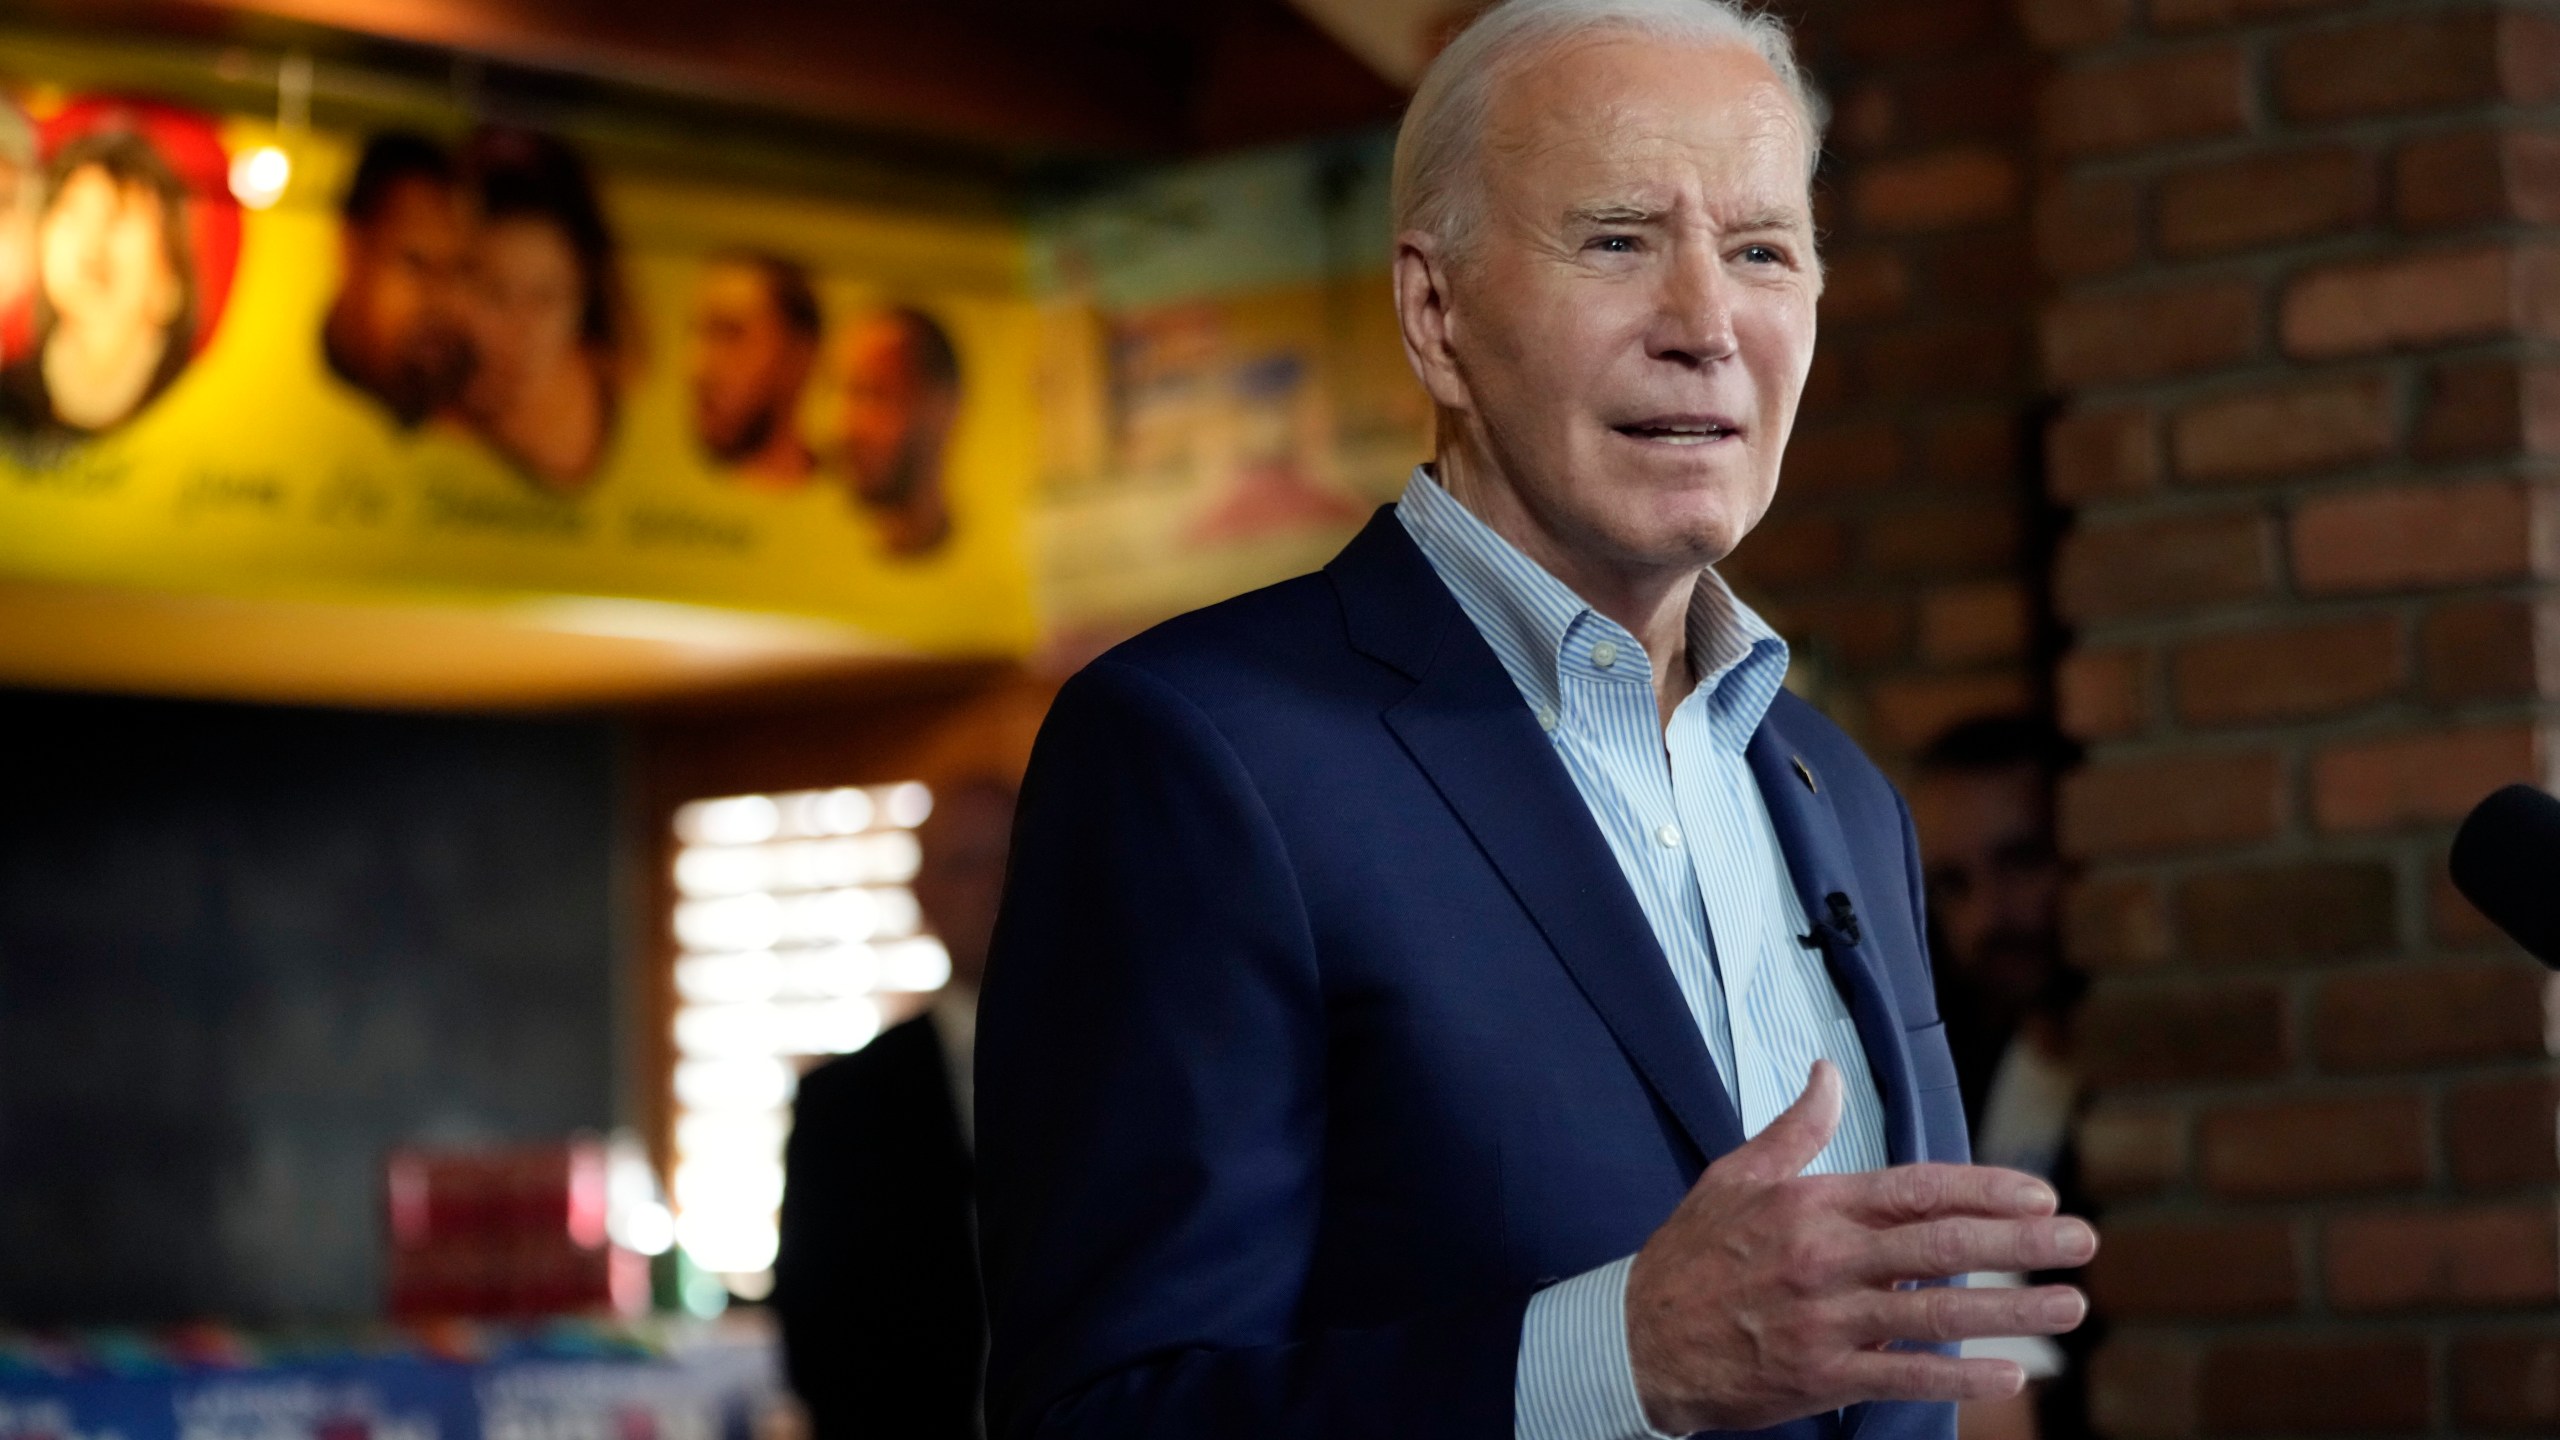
[
  {"x": 749, "y": 366},
  {"x": 529, "y": 294},
  {"x": 402, "y": 305},
  {"x": 21, "y": 200},
  {"x": 104, "y": 256}
]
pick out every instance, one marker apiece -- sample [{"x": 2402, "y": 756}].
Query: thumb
[{"x": 1789, "y": 1143}]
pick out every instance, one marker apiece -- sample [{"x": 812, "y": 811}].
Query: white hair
[{"x": 1441, "y": 137}]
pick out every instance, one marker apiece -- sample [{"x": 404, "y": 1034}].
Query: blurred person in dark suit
[
  {"x": 877, "y": 1281},
  {"x": 396, "y": 329},
  {"x": 755, "y": 337},
  {"x": 1984, "y": 806}
]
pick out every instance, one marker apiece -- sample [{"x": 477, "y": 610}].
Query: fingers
[
  {"x": 1944, "y": 1314},
  {"x": 1900, "y": 1375},
  {"x": 1789, "y": 1143},
  {"x": 1935, "y": 1249},
  {"x": 1907, "y": 1193}
]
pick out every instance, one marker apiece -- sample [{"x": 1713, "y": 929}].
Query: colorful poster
[
  {"x": 474, "y": 366},
  {"x": 1222, "y": 377},
  {"x": 666, "y": 1379}
]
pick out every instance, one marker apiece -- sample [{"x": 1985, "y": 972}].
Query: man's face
[
  {"x": 103, "y": 257},
  {"x": 401, "y": 302},
  {"x": 749, "y": 366},
  {"x": 884, "y": 400},
  {"x": 1629, "y": 328},
  {"x": 1995, "y": 883}
]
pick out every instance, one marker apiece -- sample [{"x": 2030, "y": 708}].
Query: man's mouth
[{"x": 1679, "y": 429}]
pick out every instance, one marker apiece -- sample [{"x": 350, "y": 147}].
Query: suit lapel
[
  {"x": 1465, "y": 725},
  {"x": 1818, "y": 859}
]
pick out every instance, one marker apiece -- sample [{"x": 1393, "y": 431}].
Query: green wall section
[{"x": 1260, "y": 220}]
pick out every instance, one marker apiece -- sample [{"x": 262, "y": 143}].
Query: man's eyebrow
[
  {"x": 1627, "y": 212},
  {"x": 1770, "y": 220},
  {"x": 1612, "y": 212}
]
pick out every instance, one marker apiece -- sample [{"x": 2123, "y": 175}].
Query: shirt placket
[
  {"x": 1612, "y": 712},
  {"x": 1794, "y": 984},
  {"x": 1699, "y": 783}
]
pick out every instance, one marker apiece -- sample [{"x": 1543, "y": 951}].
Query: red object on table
[{"x": 508, "y": 1231}]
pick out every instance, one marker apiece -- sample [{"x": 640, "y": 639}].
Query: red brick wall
[
  {"x": 1899, "y": 555},
  {"x": 2304, "y": 274}
]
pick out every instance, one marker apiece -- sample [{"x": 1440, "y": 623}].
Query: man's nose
[{"x": 1694, "y": 322}]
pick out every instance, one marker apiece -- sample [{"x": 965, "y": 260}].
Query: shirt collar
[{"x": 1526, "y": 614}]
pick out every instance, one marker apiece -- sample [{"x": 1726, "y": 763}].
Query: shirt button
[
  {"x": 1605, "y": 654},
  {"x": 1669, "y": 835},
  {"x": 1547, "y": 717}
]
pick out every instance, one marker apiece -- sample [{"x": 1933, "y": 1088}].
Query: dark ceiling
[{"x": 1030, "y": 80}]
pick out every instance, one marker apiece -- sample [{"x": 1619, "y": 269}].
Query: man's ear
[{"x": 1423, "y": 312}]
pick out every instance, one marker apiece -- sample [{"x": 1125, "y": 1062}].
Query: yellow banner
[{"x": 473, "y": 367}]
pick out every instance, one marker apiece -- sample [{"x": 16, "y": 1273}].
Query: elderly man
[{"x": 1460, "y": 994}]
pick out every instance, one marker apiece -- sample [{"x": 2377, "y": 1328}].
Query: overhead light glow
[
  {"x": 258, "y": 176},
  {"x": 798, "y": 938}
]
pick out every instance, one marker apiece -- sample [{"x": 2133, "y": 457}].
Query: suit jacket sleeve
[{"x": 1151, "y": 1111}]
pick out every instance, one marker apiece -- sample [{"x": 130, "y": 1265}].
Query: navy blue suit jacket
[{"x": 1322, "y": 1028}]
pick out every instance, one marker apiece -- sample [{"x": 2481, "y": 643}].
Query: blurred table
[{"x": 652, "y": 1379}]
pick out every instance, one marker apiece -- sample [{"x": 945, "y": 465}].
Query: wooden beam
[{"x": 1026, "y": 86}]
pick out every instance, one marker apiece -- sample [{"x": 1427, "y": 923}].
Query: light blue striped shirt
[{"x": 1687, "y": 823}]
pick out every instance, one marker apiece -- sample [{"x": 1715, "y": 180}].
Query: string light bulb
[{"x": 259, "y": 175}]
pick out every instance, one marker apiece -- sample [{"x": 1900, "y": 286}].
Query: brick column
[
  {"x": 1896, "y": 555},
  {"x": 2306, "y": 260}
]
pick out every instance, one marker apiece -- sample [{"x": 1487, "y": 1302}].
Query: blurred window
[{"x": 797, "y": 939}]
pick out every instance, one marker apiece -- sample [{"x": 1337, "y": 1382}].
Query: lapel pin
[{"x": 1805, "y": 774}]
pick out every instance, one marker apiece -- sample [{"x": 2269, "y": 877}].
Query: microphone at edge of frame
[{"x": 2506, "y": 861}]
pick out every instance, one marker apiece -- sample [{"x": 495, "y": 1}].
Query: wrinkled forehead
[{"x": 1626, "y": 118}]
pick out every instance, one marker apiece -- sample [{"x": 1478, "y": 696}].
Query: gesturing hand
[{"x": 1770, "y": 1295}]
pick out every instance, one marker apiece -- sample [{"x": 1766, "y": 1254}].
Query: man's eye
[
  {"x": 1763, "y": 255},
  {"x": 1615, "y": 244}
]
